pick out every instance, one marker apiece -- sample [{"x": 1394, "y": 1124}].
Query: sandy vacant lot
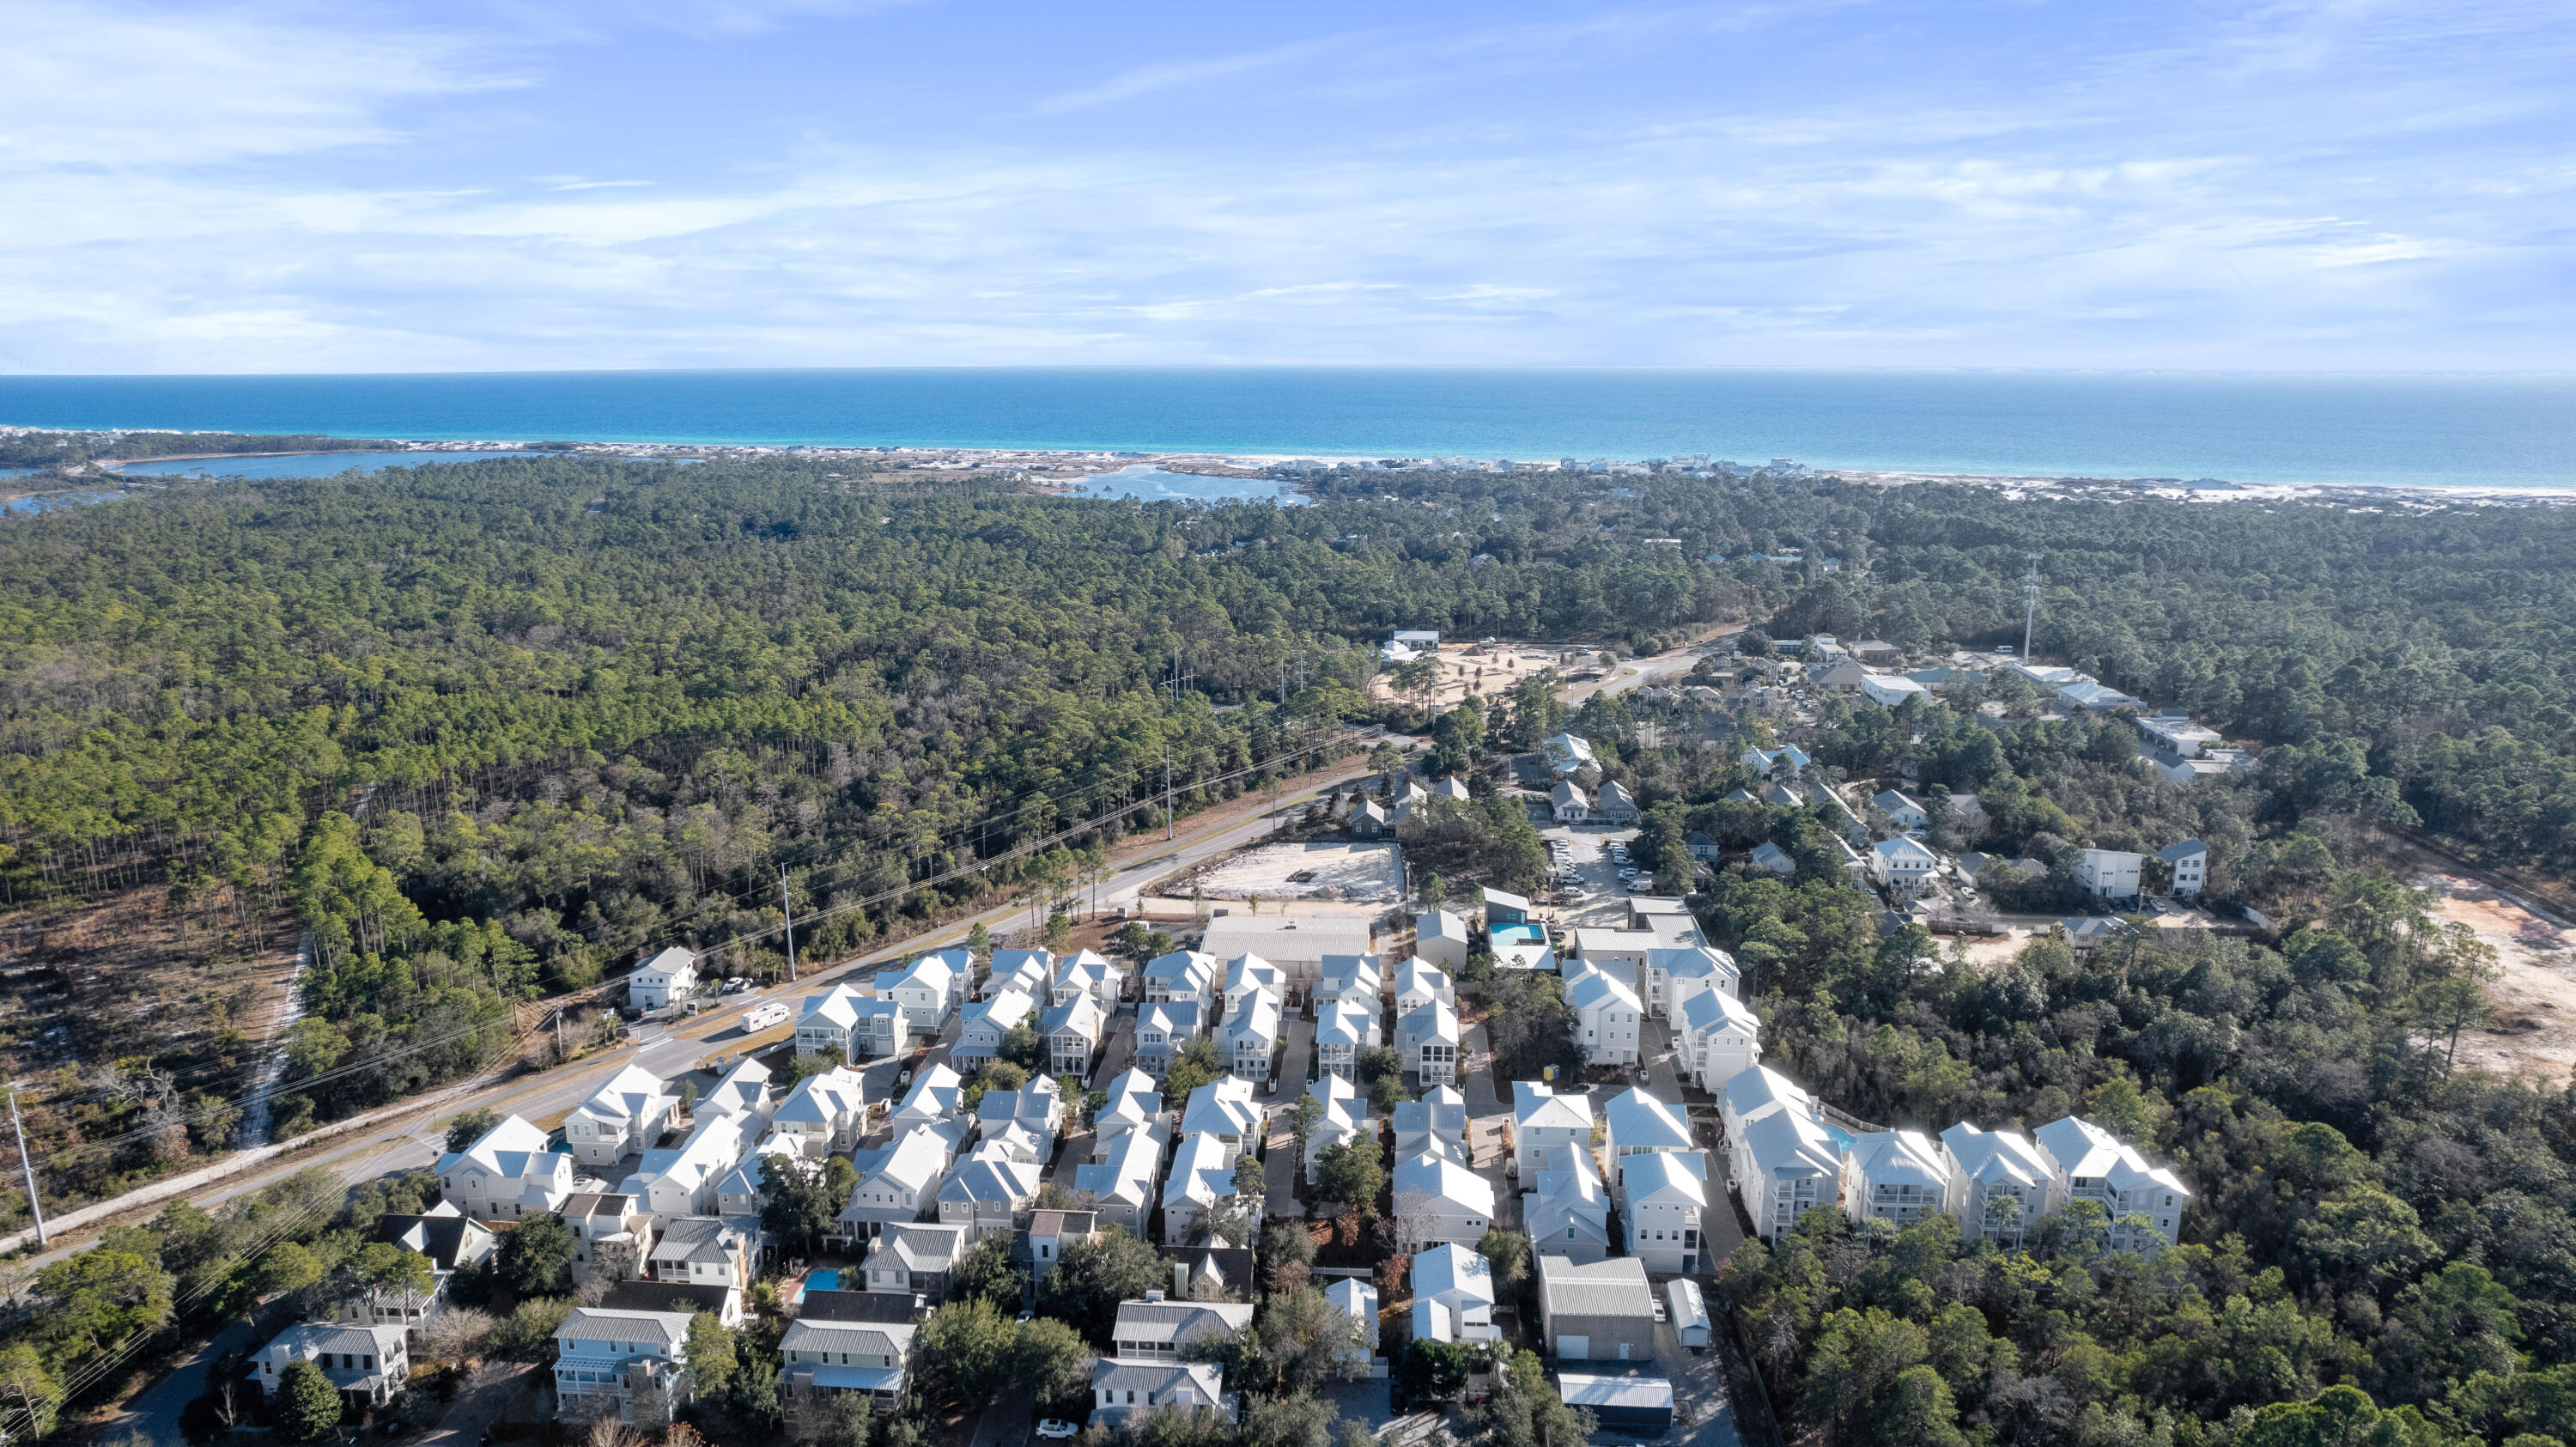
[
  {"x": 1357, "y": 873},
  {"x": 2535, "y": 997}
]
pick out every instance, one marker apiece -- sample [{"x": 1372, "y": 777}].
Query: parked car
[
  {"x": 736, "y": 985},
  {"x": 1056, "y": 1430}
]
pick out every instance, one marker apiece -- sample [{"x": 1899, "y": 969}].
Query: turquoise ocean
[{"x": 2411, "y": 430}]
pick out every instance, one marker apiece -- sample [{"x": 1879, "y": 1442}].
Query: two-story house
[
  {"x": 622, "y": 1118},
  {"x": 1438, "y": 1198},
  {"x": 1252, "y": 1032},
  {"x": 511, "y": 1172},
  {"x": 447, "y": 1239},
  {"x": 823, "y": 1359},
  {"x": 1720, "y": 1038},
  {"x": 1120, "y": 1184},
  {"x": 1224, "y": 1108},
  {"x": 1435, "y": 1122},
  {"x": 629, "y": 1357},
  {"x": 1163, "y": 1030},
  {"x": 825, "y": 1112},
  {"x": 1453, "y": 1295},
  {"x": 1155, "y": 1330},
  {"x": 915, "y": 1258},
  {"x": 612, "y": 1234},
  {"x": 1202, "y": 1180},
  {"x": 1418, "y": 983},
  {"x": 928, "y": 989},
  {"x": 897, "y": 1183},
  {"x": 1087, "y": 972},
  {"x": 1343, "y": 1115},
  {"x": 1903, "y": 866},
  {"x": 826, "y": 1022},
  {"x": 1898, "y": 1176},
  {"x": 1429, "y": 1038},
  {"x": 988, "y": 1023},
  {"x": 1693, "y": 970},
  {"x": 1634, "y": 1124},
  {"x": 707, "y": 1251},
  {"x": 986, "y": 1192},
  {"x": 1132, "y": 1101},
  {"x": 742, "y": 1090},
  {"x": 2189, "y": 862},
  {"x": 1787, "y": 1166},
  {"x": 1565, "y": 1211},
  {"x": 681, "y": 1180},
  {"x": 1182, "y": 975},
  {"x": 368, "y": 1365},
  {"x": 2143, "y": 1201},
  {"x": 1353, "y": 979},
  {"x": 1663, "y": 1201},
  {"x": 666, "y": 978},
  {"x": 2003, "y": 1183},
  {"x": 1442, "y": 938},
  {"x": 1544, "y": 1121},
  {"x": 1607, "y": 1016},
  {"x": 1073, "y": 1032},
  {"x": 1031, "y": 972},
  {"x": 1342, "y": 1030}
]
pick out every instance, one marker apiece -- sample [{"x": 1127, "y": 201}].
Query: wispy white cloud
[{"x": 1803, "y": 190}]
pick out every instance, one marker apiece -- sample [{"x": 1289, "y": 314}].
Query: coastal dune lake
[{"x": 2411, "y": 430}]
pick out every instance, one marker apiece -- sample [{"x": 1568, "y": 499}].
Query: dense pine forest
[{"x": 490, "y": 730}]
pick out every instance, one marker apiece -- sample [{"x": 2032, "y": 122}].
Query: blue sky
[{"x": 487, "y": 185}]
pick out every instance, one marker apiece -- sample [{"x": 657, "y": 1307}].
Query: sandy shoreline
[{"x": 1060, "y": 466}]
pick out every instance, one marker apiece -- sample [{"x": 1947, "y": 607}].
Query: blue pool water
[
  {"x": 1842, "y": 1138},
  {"x": 827, "y": 1279},
  {"x": 2418, "y": 430}
]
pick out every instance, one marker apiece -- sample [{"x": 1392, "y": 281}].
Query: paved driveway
[{"x": 1703, "y": 1409}]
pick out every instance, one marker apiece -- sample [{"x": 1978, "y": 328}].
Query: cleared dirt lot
[
  {"x": 1326, "y": 870},
  {"x": 2535, "y": 995}
]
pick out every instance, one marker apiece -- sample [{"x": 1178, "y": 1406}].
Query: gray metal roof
[{"x": 1613, "y": 1287}]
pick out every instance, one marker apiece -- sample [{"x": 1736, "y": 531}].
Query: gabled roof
[
  {"x": 1762, "y": 1088},
  {"x": 1134, "y": 1098},
  {"x": 914, "y": 1162},
  {"x": 1667, "y": 1177},
  {"x": 1001, "y": 1012},
  {"x": 1126, "y": 1178},
  {"x": 630, "y": 1094},
  {"x": 744, "y": 1087},
  {"x": 1179, "y": 1323},
  {"x": 1900, "y": 1158},
  {"x": 673, "y": 961},
  {"x": 1431, "y": 1177},
  {"x": 1893, "y": 802},
  {"x": 1635, "y": 1119},
  {"x": 871, "y": 1339},
  {"x": 936, "y": 1091},
  {"x": 1902, "y": 848},
  {"x": 1452, "y": 1271},
  {"x": 1157, "y": 1381},
  {"x": 1183, "y": 964},
  {"x": 1344, "y": 1023},
  {"x": 666, "y": 1330},
  {"x": 1711, "y": 1009},
  {"x": 918, "y": 1247},
  {"x": 1221, "y": 1107},
  {"x": 989, "y": 1176},
  {"x": 511, "y": 1150},
  {"x": 1702, "y": 962},
  {"x": 1255, "y": 1017},
  {"x": 2177, "y": 852},
  {"x": 440, "y": 1238},
  {"x": 1080, "y": 1015},
  {"x": 1613, "y": 1287},
  {"x": 1536, "y": 1105},
  {"x": 1038, "y": 1103},
  {"x": 1178, "y": 1019},
  {"x": 2085, "y": 1150},
  {"x": 1771, "y": 856},
  {"x": 1997, "y": 1156},
  {"x": 824, "y": 1099},
  {"x": 697, "y": 1238},
  {"x": 1441, "y": 1111},
  {"x": 1199, "y": 1173},
  {"x": 1433, "y": 1021},
  {"x": 1565, "y": 1203},
  {"x": 1593, "y": 988},
  {"x": 1783, "y": 1140}
]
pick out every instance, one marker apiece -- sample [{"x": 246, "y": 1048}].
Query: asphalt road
[{"x": 414, "y": 1143}]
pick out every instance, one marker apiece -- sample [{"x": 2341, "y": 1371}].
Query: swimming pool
[
  {"x": 1842, "y": 1138},
  {"x": 827, "y": 1278}
]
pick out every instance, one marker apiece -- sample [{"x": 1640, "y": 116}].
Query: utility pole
[
  {"x": 559, "y": 1045},
  {"x": 2030, "y": 606},
  {"x": 788, "y": 910},
  {"x": 1169, "y": 829},
  {"x": 27, "y": 1163}
]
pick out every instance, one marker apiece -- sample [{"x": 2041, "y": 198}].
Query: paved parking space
[{"x": 1703, "y": 1409}]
